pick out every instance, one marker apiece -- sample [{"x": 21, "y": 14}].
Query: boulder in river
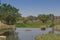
[
  {"x": 43, "y": 27},
  {"x": 2, "y": 37}
]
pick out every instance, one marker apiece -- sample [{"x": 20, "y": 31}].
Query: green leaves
[
  {"x": 44, "y": 17},
  {"x": 9, "y": 13}
]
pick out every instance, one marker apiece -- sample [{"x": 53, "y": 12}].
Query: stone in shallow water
[
  {"x": 2, "y": 37},
  {"x": 28, "y": 30},
  {"x": 43, "y": 27}
]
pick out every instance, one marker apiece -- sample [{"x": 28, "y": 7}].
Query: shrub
[
  {"x": 20, "y": 25},
  {"x": 51, "y": 25}
]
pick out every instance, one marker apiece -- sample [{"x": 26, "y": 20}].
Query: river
[{"x": 30, "y": 33}]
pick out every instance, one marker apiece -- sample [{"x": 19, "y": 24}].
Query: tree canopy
[
  {"x": 44, "y": 17},
  {"x": 9, "y": 14}
]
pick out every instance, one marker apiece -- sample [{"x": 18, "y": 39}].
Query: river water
[{"x": 31, "y": 33}]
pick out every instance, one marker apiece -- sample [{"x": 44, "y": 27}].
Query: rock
[
  {"x": 28, "y": 30},
  {"x": 43, "y": 27},
  {"x": 2, "y": 37},
  {"x": 5, "y": 26},
  {"x": 57, "y": 27}
]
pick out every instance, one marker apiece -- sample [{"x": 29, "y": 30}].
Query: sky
[{"x": 35, "y": 7}]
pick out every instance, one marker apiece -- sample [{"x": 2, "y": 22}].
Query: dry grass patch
[
  {"x": 57, "y": 27},
  {"x": 48, "y": 37}
]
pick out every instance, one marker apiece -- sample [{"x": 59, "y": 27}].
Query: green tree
[
  {"x": 51, "y": 17},
  {"x": 31, "y": 18},
  {"x": 9, "y": 14},
  {"x": 43, "y": 17}
]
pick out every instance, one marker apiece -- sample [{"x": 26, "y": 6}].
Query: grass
[
  {"x": 32, "y": 25},
  {"x": 49, "y": 36}
]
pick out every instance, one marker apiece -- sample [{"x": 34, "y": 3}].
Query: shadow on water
[{"x": 12, "y": 36}]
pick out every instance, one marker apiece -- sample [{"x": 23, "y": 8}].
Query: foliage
[
  {"x": 44, "y": 17},
  {"x": 9, "y": 14},
  {"x": 31, "y": 25},
  {"x": 31, "y": 18},
  {"x": 51, "y": 25},
  {"x": 51, "y": 17},
  {"x": 20, "y": 25}
]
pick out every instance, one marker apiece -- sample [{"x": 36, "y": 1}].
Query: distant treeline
[{"x": 10, "y": 15}]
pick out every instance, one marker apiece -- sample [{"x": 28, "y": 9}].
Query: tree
[
  {"x": 9, "y": 14},
  {"x": 43, "y": 17},
  {"x": 51, "y": 17},
  {"x": 31, "y": 18}
]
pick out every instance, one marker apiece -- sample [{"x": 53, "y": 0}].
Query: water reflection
[{"x": 12, "y": 36}]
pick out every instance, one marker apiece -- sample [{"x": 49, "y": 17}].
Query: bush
[
  {"x": 20, "y": 25},
  {"x": 51, "y": 25}
]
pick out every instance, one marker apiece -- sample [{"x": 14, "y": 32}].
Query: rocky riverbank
[{"x": 7, "y": 32}]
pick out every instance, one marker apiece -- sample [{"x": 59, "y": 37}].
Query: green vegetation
[
  {"x": 10, "y": 15},
  {"x": 32, "y": 25},
  {"x": 44, "y": 17},
  {"x": 49, "y": 36},
  {"x": 37, "y": 22}
]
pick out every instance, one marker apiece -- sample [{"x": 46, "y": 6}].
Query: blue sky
[{"x": 35, "y": 7}]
